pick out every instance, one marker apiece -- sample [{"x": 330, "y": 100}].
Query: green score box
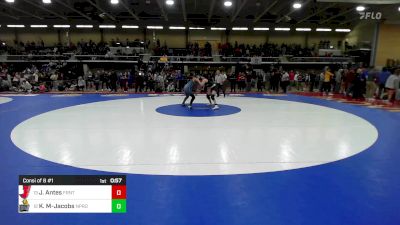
[{"x": 119, "y": 206}]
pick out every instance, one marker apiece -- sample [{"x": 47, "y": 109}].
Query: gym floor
[{"x": 259, "y": 159}]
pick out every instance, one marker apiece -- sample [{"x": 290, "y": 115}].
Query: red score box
[{"x": 119, "y": 192}]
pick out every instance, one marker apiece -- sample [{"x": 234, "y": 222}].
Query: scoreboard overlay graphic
[{"x": 72, "y": 194}]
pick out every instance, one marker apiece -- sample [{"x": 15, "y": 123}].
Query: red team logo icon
[{"x": 24, "y": 207}]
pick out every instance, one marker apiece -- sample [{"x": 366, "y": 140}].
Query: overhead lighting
[
  {"x": 196, "y": 28},
  {"x": 297, "y": 5},
  {"x": 343, "y": 30},
  {"x": 228, "y": 3},
  {"x": 16, "y": 26},
  {"x": 155, "y": 27},
  {"x": 46, "y": 1},
  {"x": 240, "y": 28},
  {"x": 399, "y": 8},
  {"x": 303, "y": 29},
  {"x": 61, "y": 26},
  {"x": 177, "y": 28},
  {"x": 360, "y": 8},
  {"x": 169, "y": 2},
  {"x": 107, "y": 26},
  {"x": 130, "y": 27},
  {"x": 38, "y": 26},
  {"x": 323, "y": 29},
  {"x": 114, "y": 2},
  {"x": 282, "y": 29},
  {"x": 10, "y": 1},
  {"x": 218, "y": 28},
  {"x": 260, "y": 28},
  {"x": 84, "y": 26}
]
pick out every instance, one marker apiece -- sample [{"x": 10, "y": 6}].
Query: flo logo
[{"x": 370, "y": 15}]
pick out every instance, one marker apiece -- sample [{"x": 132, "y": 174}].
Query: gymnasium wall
[
  {"x": 173, "y": 38},
  {"x": 250, "y": 37},
  {"x": 387, "y": 48},
  {"x": 315, "y": 37},
  {"x": 77, "y": 35},
  {"x": 206, "y": 35},
  {"x": 29, "y": 35},
  {"x": 362, "y": 34},
  {"x": 287, "y": 38},
  {"x": 8, "y": 37},
  {"x": 122, "y": 35}
]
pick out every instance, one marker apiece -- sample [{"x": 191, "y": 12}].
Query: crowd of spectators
[
  {"x": 357, "y": 83},
  {"x": 192, "y": 49},
  {"x": 263, "y": 50},
  {"x": 32, "y": 78},
  {"x": 56, "y": 77},
  {"x": 81, "y": 48},
  {"x": 236, "y": 50},
  {"x": 240, "y": 50}
]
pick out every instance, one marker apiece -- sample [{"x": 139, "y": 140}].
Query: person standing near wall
[
  {"x": 372, "y": 77},
  {"x": 321, "y": 81},
  {"x": 232, "y": 81},
  {"x": 275, "y": 81},
  {"x": 358, "y": 85},
  {"x": 300, "y": 81},
  {"x": 292, "y": 77},
  {"x": 349, "y": 82},
  {"x": 260, "y": 83},
  {"x": 241, "y": 80},
  {"x": 383, "y": 76},
  {"x": 180, "y": 81},
  {"x": 124, "y": 81},
  {"x": 338, "y": 80},
  {"x": 326, "y": 86},
  {"x": 397, "y": 85},
  {"x": 103, "y": 80},
  {"x": 138, "y": 82},
  {"x": 313, "y": 77},
  {"x": 220, "y": 78},
  {"x": 225, "y": 83},
  {"x": 267, "y": 78},
  {"x": 392, "y": 84},
  {"x": 285, "y": 81},
  {"x": 248, "y": 81},
  {"x": 96, "y": 80},
  {"x": 130, "y": 79},
  {"x": 81, "y": 84},
  {"x": 113, "y": 81}
]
